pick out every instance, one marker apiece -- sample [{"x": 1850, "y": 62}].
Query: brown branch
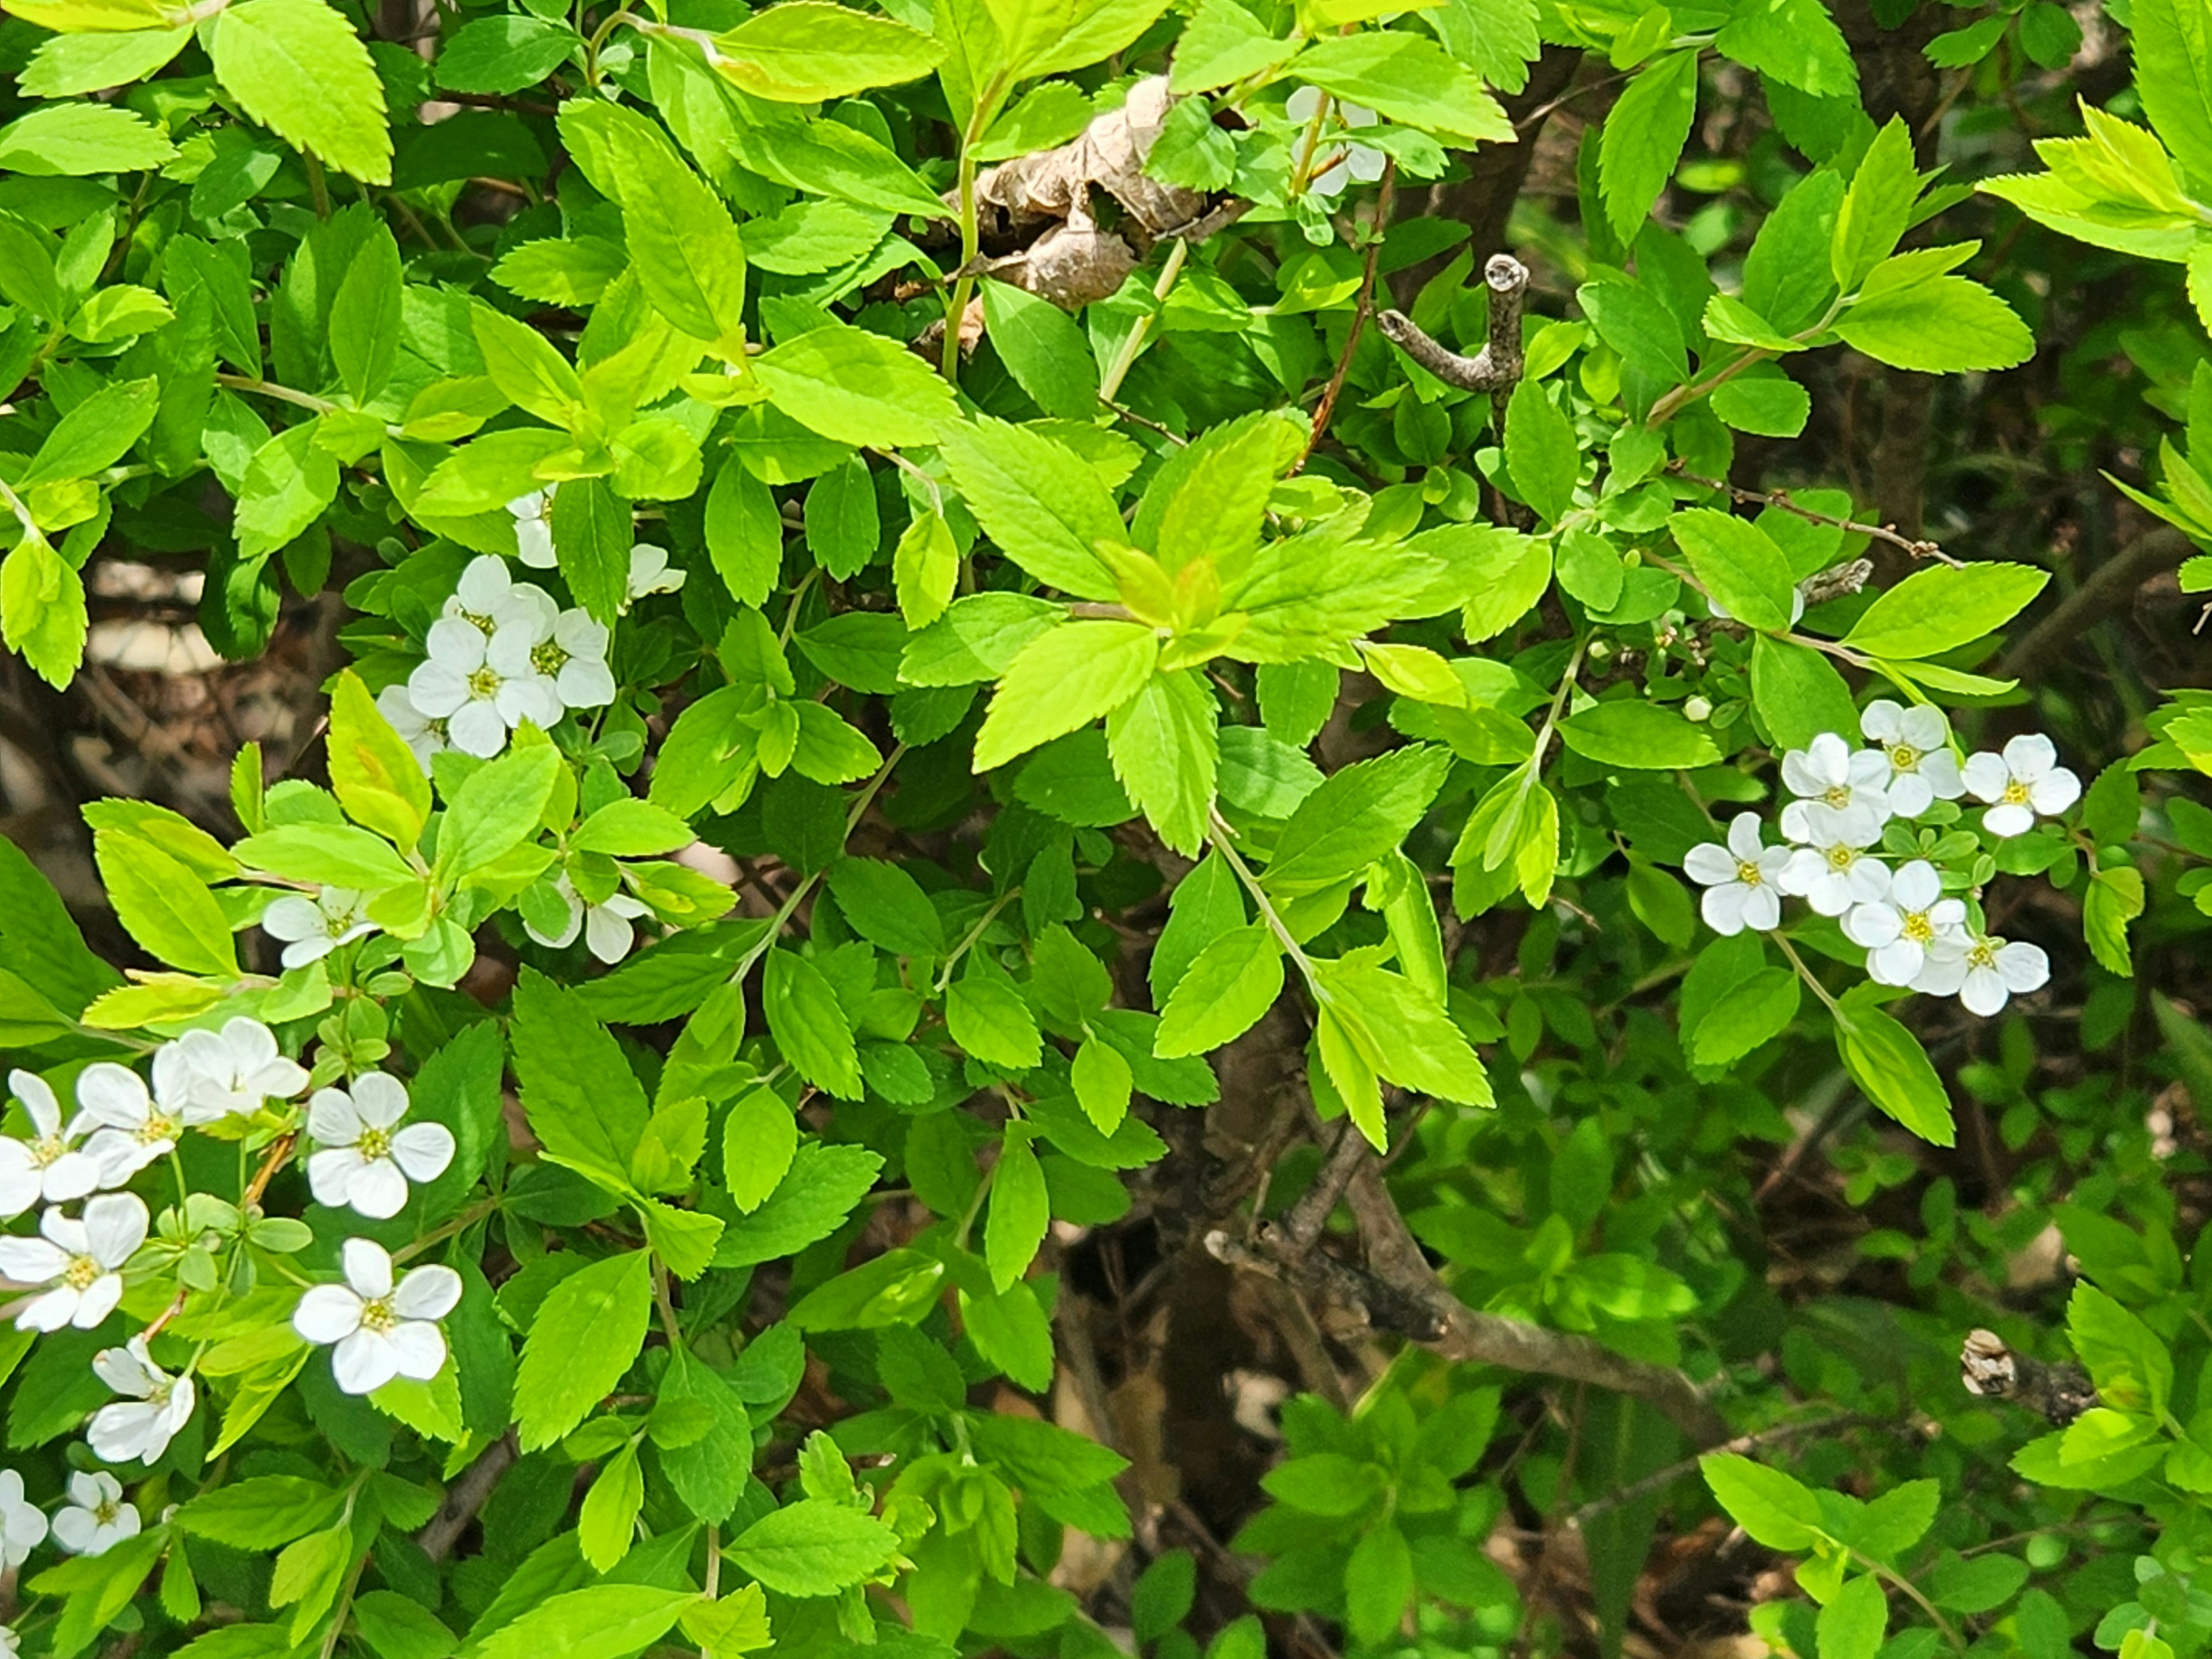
[
  {"x": 1992, "y": 1370},
  {"x": 2109, "y": 586},
  {"x": 1743, "y": 1445},
  {"x": 1916, "y": 547},
  {"x": 465, "y": 1497},
  {"x": 1496, "y": 367},
  {"x": 1384, "y": 201}
]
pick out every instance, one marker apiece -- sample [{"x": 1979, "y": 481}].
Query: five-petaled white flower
[
  {"x": 142, "y": 1426},
  {"x": 226, "y": 1073},
  {"x": 1828, "y": 773},
  {"x": 481, "y": 688},
  {"x": 382, "y": 1330},
  {"x": 312, "y": 928},
  {"x": 10, "y": 1643},
  {"x": 1354, "y": 163},
  {"x": 131, "y": 1129},
  {"x": 1917, "y": 743},
  {"x": 1898, "y": 929},
  {"x": 98, "y": 1518},
  {"x": 49, "y": 1166},
  {"x": 22, "y": 1525},
  {"x": 534, "y": 529},
  {"x": 2023, "y": 783},
  {"x": 572, "y": 654},
  {"x": 650, "y": 572},
  {"x": 605, "y": 927},
  {"x": 77, "y": 1262},
  {"x": 1984, "y": 973},
  {"x": 1742, "y": 879},
  {"x": 365, "y": 1159},
  {"x": 1832, "y": 871},
  {"x": 425, "y": 736},
  {"x": 488, "y": 596}
]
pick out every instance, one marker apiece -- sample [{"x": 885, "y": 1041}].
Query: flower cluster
[
  {"x": 73, "y": 1271},
  {"x": 1844, "y": 800}
]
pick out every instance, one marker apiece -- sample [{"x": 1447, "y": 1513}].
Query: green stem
[
  {"x": 1218, "y": 833},
  {"x": 1804, "y": 973},
  {"x": 790, "y": 906},
  {"x": 971, "y": 231},
  {"x": 952, "y": 960},
  {"x": 283, "y": 394},
  {"x": 1125, "y": 358},
  {"x": 460, "y": 1224},
  {"x": 1912, "y": 1594}
]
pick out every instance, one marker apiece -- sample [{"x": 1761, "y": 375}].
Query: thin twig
[
  {"x": 1743, "y": 1445},
  {"x": 1326, "y": 407},
  {"x": 1917, "y": 548}
]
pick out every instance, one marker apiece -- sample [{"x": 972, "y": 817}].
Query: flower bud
[{"x": 1699, "y": 708}]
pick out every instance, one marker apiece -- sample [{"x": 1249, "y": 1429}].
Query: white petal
[
  {"x": 1947, "y": 915},
  {"x": 458, "y": 645},
  {"x": 423, "y": 1150},
  {"x": 31, "y": 1260},
  {"x": 1868, "y": 881},
  {"x": 126, "y": 1372},
  {"x": 1828, "y": 757},
  {"x": 330, "y": 1174},
  {"x": 478, "y": 730},
  {"x": 1986, "y": 775},
  {"x": 2023, "y": 966},
  {"x": 1798, "y": 775},
  {"x": 364, "y": 1362},
  {"x": 282, "y": 1079},
  {"x": 2029, "y": 755},
  {"x": 1882, "y": 720},
  {"x": 378, "y": 1190},
  {"x": 534, "y": 698},
  {"x": 1804, "y": 869},
  {"x": 1872, "y": 926},
  {"x": 327, "y": 1313},
  {"x": 1743, "y": 837},
  {"x": 533, "y": 543},
  {"x": 368, "y": 1267},
  {"x": 1916, "y": 885},
  {"x": 380, "y": 1098},
  {"x": 1910, "y": 794},
  {"x": 430, "y": 1292},
  {"x": 22, "y": 1185},
  {"x": 73, "y": 1530},
  {"x": 580, "y": 636},
  {"x": 439, "y": 689},
  {"x": 421, "y": 1350},
  {"x": 1831, "y": 896},
  {"x": 99, "y": 1300},
  {"x": 2008, "y": 820},
  {"x": 39, "y": 1102},
  {"x": 1709, "y": 864},
  {"x": 607, "y": 934},
  {"x": 1869, "y": 768},
  {"x": 113, "y": 1094},
  {"x": 2054, "y": 792},
  {"x": 115, "y": 1226},
  {"x": 1762, "y": 908},
  {"x": 1941, "y": 975},
  {"x": 586, "y": 683},
  {"x": 1925, "y": 728},
  {"x": 1722, "y": 907},
  {"x": 508, "y": 655},
  {"x": 484, "y": 585},
  {"x": 1895, "y": 962},
  {"x": 1939, "y": 768},
  {"x": 293, "y": 918},
  {"x": 1983, "y": 990},
  {"x": 332, "y": 1118},
  {"x": 121, "y": 1433}
]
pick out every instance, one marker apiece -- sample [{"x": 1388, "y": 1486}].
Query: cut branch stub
[
  {"x": 1994, "y": 1370},
  {"x": 1496, "y": 367}
]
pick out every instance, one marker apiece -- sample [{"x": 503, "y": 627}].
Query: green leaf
[
  {"x": 95, "y": 435},
  {"x": 1406, "y": 78},
  {"x": 1739, "y": 565},
  {"x": 1165, "y": 749},
  {"x": 1103, "y": 1082},
  {"x": 808, "y": 52},
  {"x": 499, "y": 807},
  {"x": 987, "y": 1016},
  {"x": 328, "y": 855},
  {"x": 1634, "y": 733},
  {"x": 1046, "y": 37},
  {"x": 1233, "y": 981},
  {"x": 1063, "y": 680},
  {"x": 808, "y": 1024},
  {"x": 589, "y": 1328},
  {"x": 1753, "y": 1014},
  {"x": 365, "y": 317},
  {"x": 1020, "y": 1210},
  {"x": 584, "y": 1102},
  {"x": 1508, "y": 574},
  {"x": 67, "y": 65},
  {"x": 2172, "y": 43},
  {"x": 75, "y": 139},
  {"x": 1401, "y": 1034},
  {"x": 601, "y": 1621},
  {"x": 812, "y": 1202},
  {"x": 1888, "y": 1063},
  {"x": 299, "y": 69},
  {"x": 1644, "y": 137},
  {"x": 42, "y": 610},
  {"x": 500, "y": 56},
  {"x": 1358, "y": 813},
  {"x": 398, "y": 1628},
  {"x": 744, "y": 533},
  {"x": 1043, "y": 348},
  {"x": 760, "y": 1138},
  {"x": 262, "y": 1512},
  {"x": 1325, "y": 1483},
  {"x": 1540, "y": 452},
  {"x": 1798, "y": 692},
  {"x": 683, "y": 243},
  {"x": 1877, "y": 208},
  {"x": 1775, "y": 1509},
  {"x": 375, "y": 775},
  {"x": 856, "y": 387},
  {"x": 608, "y": 1518},
  {"x": 1944, "y": 607},
  {"x": 2131, "y": 1366},
  {"x": 164, "y": 906},
  {"x": 1855, "y": 1621},
  {"x": 1379, "y": 1583},
  {"x": 1039, "y": 501},
  {"x": 1940, "y": 325},
  {"x": 886, "y": 906},
  {"x": 816, "y": 1547},
  {"x": 592, "y": 535},
  {"x": 290, "y": 482},
  {"x": 2115, "y": 899}
]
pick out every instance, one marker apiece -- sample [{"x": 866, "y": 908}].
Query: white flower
[
  {"x": 605, "y": 927},
  {"x": 649, "y": 573},
  {"x": 230, "y": 1072},
  {"x": 2026, "y": 782},
  {"x": 534, "y": 529},
  {"x": 1362, "y": 163},
  {"x": 313, "y": 927},
  {"x": 1915, "y": 741},
  {"x": 1900, "y": 928},
  {"x": 1741, "y": 879},
  {"x": 50, "y": 1166},
  {"x": 571, "y": 655},
  {"x": 479, "y": 700},
  {"x": 1832, "y": 871},
  {"x": 382, "y": 1331},
  {"x": 130, "y": 1129},
  {"x": 365, "y": 1160},
  {"x": 159, "y": 1405},
  {"x": 425, "y": 736},
  {"x": 78, "y": 1262},
  {"x": 99, "y": 1518},
  {"x": 1721, "y": 613},
  {"x": 22, "y": 1526},
  {"x": 1827, "y": 772},
  {"x": 10, "y": 1644},
  {"x": 1984, "y": 973},
  {"x": 488, "y": 596}
]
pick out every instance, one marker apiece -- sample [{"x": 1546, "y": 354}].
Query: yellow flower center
[
  {"x": 483, "y": 683},
  {"x": 1917, "y": 927},
  {"x": 2015, "y": 793},
  {"x": 1838, "y": 796},
  {"x": 104, "y": 1512},
  {"x": 156, "y": 1128},
  {"x": 1983, "y": 954},
  {"x": 1841, "y": 858},
  {"x": 484, "y": 622},
  {"x": 1903, "y": 757},
  {"x": 373, "y": 1143},
  {"x": 82, "y": 1273},
  {"x": 548, "y": 658},
  {"x": 44, "y": 1151},
  {"x": 377, "y": 1314},
  {"x": 1748, "y": 874}
]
